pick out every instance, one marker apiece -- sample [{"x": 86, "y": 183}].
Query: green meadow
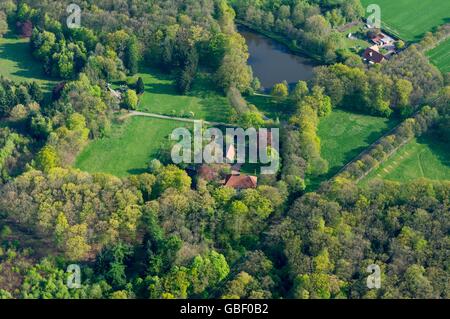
[
  {"x": 411, "y": 19},
  {"x": 344, "y": 135},
  {"x": 17, "y": 63},
  {"x": 424, "y": 157},
  {"x": 440, "y": 56},
  {"x": 161, "y": 97},
  {"x": 129, "y": 149},
  {"x": 270, "y": 107}
]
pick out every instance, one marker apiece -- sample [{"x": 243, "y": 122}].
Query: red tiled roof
[
  {"x": 241, "y": 181},
  {"x": 372, "y": 55}
]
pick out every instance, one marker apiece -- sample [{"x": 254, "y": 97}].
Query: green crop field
[
  {"x": 424, "y": 157},
  {"x": 17, "y": 63},
  {"x": 440, "y": 56},
  {"x": 411, "y": 19},
  {"x": 344, "y": 135},
  {"x": 161, "y": 97},
  {"x": 129, "y": 149}
]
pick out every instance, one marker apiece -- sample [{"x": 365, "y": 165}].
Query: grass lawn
[
  {"x": 440, "y": 56},
  {"x": 17, "y": 63},
  {"x": 270, "y": 107},
  {"x": 424, "y": 157},
  {"x": 129, "y": 149},
  {"x": 355, "y": 44},
  {"x": 344, "y": 135},
  {"x": 203, "y": 100},
  {"x": 411, "y": 19}
]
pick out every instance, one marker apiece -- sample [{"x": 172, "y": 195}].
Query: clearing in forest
[
  {"x": 17, "y": 63},
  {"x": 424, "y": 157},
  {"x": 203, "y": 101},
  {"x": 129, "y": 149}
]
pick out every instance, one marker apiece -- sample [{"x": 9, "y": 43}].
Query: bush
[
  {"x": 5, "y": 232},
  {"x": 140, "y": 87},
  {"x": 130, "y": 100}
]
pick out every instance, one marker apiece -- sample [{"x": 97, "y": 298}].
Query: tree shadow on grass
[
  {"x": 215, "y": 109},
  {"x": 213, "y": 103},
  {"x": 161, "y": 88},
  {"x": 155, "y": 89},
  {"x": 137, "y": 171},
  {"x": 18, "y": 53},
  {"x": 270, "y": 107},
  {"x": 353, "y": 153},
  {"x": 203, "y": 83},
  {"x": 438, "y": 147},
  {"x": 27, "y": 67}
]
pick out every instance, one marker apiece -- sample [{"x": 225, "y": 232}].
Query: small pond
[{"x": 273, "y": 62}]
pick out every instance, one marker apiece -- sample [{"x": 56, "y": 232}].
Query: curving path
[{"x": 181, "y": 119}]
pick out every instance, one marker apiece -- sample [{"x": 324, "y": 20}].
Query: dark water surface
[{"x": 272, "y": 62}]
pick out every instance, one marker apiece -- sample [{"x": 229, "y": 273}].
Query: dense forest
[{"x": 167, "y": 234}]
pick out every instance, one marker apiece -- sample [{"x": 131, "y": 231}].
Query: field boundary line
[
  {"x": 366, "y": 150},
  {"x": 370, "y": 147},
  {"x": 388, "y": 156}
]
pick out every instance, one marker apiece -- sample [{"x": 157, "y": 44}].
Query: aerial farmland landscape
[{"x": 224, "y": 149}]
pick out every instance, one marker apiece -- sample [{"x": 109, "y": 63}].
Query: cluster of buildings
[
  {"x": 235, "y": 179},
  {"x": 382, "y": 49}
]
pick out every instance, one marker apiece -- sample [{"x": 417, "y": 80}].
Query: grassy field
[
  {"x": 344, "y": 135},
  {"x": 17, "y": 63},
  {"x": 270, "y": 107},
  {"x": 440, "y": 56},
  {"x": 411, "y": 19},
  {"x": 424, "y": 157},
  {"x": 161, "y": 97},
  {"x": 129, "y": 149}
]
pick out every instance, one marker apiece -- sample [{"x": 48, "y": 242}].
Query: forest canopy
[{"x": 170, "y": 231}]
